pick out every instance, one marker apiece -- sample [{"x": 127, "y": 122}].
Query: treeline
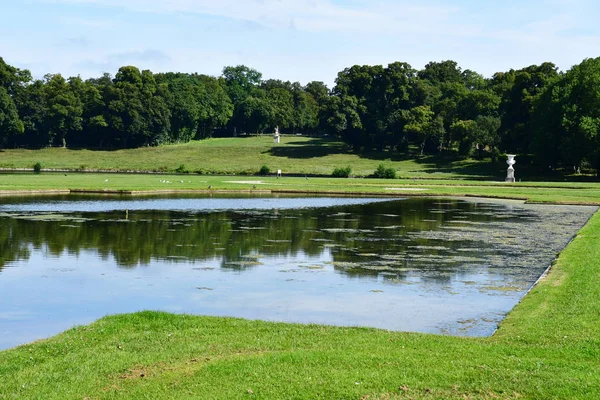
[{"x": 538, "y": 112}]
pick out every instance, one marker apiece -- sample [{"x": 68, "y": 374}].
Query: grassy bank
[
  {"x": 296, "y": 154},
  {"x": 550, "y": 192},
  {"x": 548, "y": 347}
]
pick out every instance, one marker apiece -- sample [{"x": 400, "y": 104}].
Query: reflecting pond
[{"x": 453, "y": 266}]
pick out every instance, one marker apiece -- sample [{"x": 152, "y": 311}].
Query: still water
[{"x": 420, "y": 264}]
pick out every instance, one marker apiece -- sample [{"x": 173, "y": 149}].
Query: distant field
[{"x": 295, "y": 155}]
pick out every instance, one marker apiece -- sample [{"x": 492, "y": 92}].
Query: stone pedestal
[{"x": 510, "y": 173}]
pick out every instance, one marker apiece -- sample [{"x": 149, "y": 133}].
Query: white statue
[
  {"x": 276, "y": 137},
  {"x": 510, "y": 174}
]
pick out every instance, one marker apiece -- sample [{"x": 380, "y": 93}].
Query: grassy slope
[
  {"x": 299, "y": 155},
  {"x": 548, "y": 347}
]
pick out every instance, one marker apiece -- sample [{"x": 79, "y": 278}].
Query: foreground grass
[
  {"x": 548, "y": 347},
  {"x": 299, "y": 155},
  {"x": 545, "y": 192}
]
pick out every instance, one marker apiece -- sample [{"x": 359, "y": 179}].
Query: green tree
[
  {"x": 428, "y": 129},
  {"x": 442, "y": 72},
  {"x": 181, "y": 97},
  {"x": 11, "y": 81},
  {"x": 342, "y": 119},
  {"x": 64, "y": 109},
  {"x": 517, "y": 105},
  {"x": 306, "y": 112},
  {"x": 217, "y": 105},
  {"x": 30, "y": 103},
  {"x": 126, "y": 108},
  {"x": 257, "y": 112},
  {"x": 240, "y": 83},
  {"x": 156, "y": 111},
  {"x": 93, "y": 108},
  {"x": 320, "y": 93},
  {"x": 568, "y": 118},
  {"x": 366, "y": 84},
  {"x": 10, "y": 123},
  {"x": 281, "y": 103},
  {"x": 318, "y": 90}
]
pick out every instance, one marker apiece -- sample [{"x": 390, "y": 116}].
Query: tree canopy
[{"x": 550, "y": 116}]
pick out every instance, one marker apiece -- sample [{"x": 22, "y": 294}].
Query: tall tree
[
  {"x": 518, "y": 102},
  {"x": 342, "y": 119},
  {"x": 10, "y": 123},
  {"x": 568, "y": 118},
  {"x": 126, "y": 108},
  {"x": 64, "y": 109},
  {"x": 93, "y": 108},
  {"x": 11, "y": 80},
  {"x": 306, "y": 111},
  {"x": 241, "y": 82},
  {"x": 366, "y": 84},
  {"x": 281, "y": 102},
  {"x": 217, "y": 105},
  {"x": 320, "y": 93},
  {"x": 257, "y": 112}
]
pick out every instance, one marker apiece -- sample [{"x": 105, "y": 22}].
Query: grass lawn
[
  {"x": 548, "y": 192},
  {"x": 246, "y": 155}
]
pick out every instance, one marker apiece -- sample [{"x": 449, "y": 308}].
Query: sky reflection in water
[{"x": 419, "y": 264}]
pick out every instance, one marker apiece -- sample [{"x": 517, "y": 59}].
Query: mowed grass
[
  {"x": 246, "y": 155},
  {"x": 544, "y": 192},
  {"x": 547, "y": 348}
]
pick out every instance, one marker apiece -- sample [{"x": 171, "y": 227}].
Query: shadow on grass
[
  {"x": 487, "y": 170},
  {"x": 312, "y": 148},
  {"x": 469, "y": 168}
]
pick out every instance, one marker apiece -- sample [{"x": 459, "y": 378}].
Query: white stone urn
[{"x": 510, "y": 173}]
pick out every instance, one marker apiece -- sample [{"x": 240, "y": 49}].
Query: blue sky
[{"x": 297, "y": 40}]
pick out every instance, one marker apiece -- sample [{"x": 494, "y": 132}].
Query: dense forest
[{"x": 544, "y": 115}]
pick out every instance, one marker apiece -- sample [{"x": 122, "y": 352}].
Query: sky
[{"x": 295, "y": 40}]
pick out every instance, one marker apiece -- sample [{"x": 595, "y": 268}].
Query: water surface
[{"x": 420, "y": 264}]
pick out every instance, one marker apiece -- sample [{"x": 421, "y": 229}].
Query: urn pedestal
[{"x": 510, "y": 173}]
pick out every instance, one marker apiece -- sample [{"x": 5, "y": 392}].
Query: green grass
[
  {"x": 296, "y": 154},
  {"x": 546, "y": 192},
  {"x": 548, "y": 347}
]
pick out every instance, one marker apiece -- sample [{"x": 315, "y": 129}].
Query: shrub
[
  {"x": 342, "y": 172},
  {"x": 37, "y": 167},
  {"x": 181, "y": 169},
  {"x": 384, "y": 173},
  {"x": 264, "y": 170}
]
